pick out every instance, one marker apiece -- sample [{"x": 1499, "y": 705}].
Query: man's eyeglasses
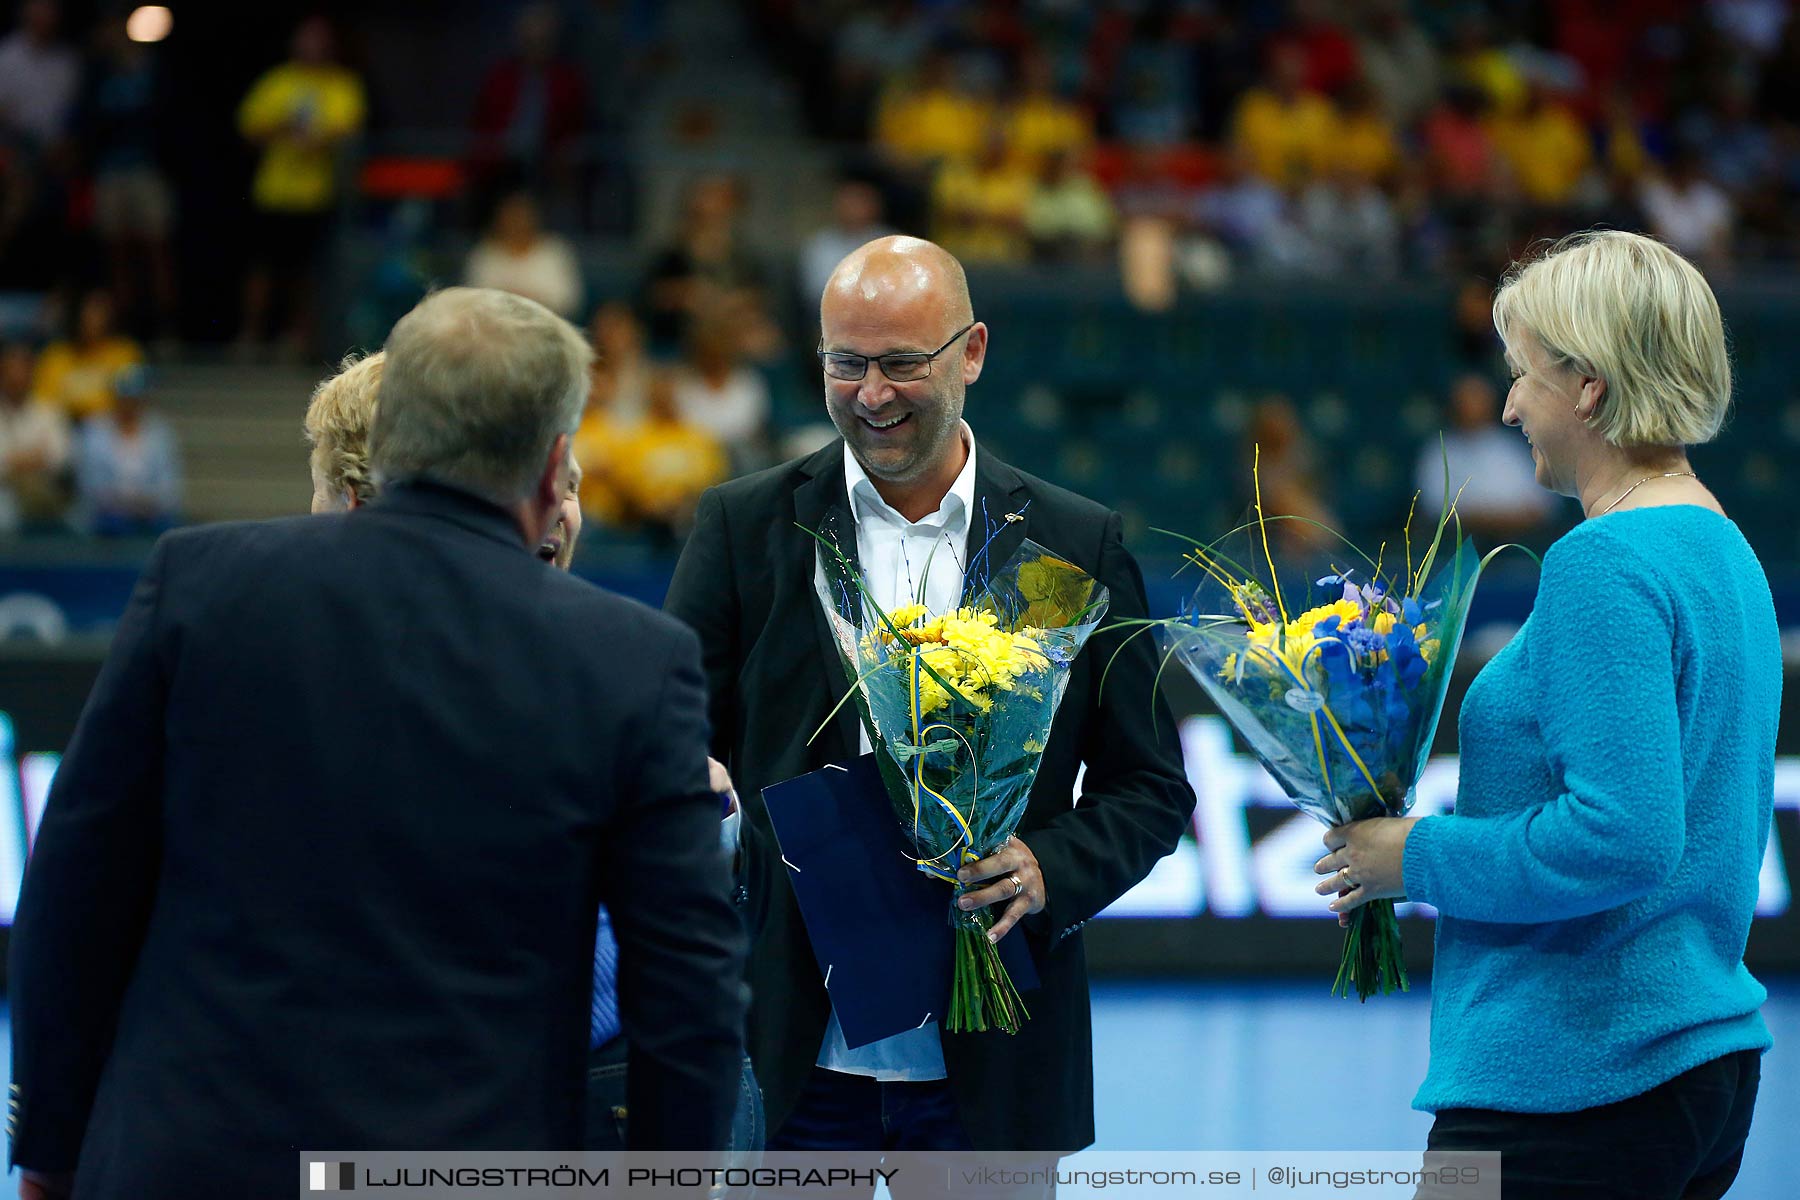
[{"x": 899, "y": 368}]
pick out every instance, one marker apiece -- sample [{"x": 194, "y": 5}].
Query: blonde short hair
[
  {"x": 337, "y": 426},
  {"x": 1627, "y": 309}
]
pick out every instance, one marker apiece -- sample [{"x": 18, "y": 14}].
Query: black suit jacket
[
  {"x": 321, "y": 866},
  {"x": 745, "y": 583}
]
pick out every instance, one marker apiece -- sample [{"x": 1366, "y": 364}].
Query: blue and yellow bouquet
[
  {"x": 958, "y": 706},
  {"x": 1336, "y": 686}
]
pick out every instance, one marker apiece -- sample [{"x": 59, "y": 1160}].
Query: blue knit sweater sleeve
[{"x": 1600, "y": 671}]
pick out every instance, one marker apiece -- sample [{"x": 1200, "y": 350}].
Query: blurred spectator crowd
[
  {"x": 1367, "y": 137},
  {"x": 90, "y": 130},
  {"x": 681, "y": 396},
  {"x": 1486, "y": 468},
  {"x": 79, "y": 446},
  {"x": 1172, "y": 144},
  {"x": 84, "y": 200},
  {"x": 84, "y": 190}
]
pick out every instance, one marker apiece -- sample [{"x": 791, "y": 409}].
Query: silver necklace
[{"x": 1640, "y": 483}]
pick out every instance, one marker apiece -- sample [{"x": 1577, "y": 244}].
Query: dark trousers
[
  {"x": 854, "y": 1112},
  {"x": 1681, "y": 1140},
  {"x": 607, "y": 1118}
]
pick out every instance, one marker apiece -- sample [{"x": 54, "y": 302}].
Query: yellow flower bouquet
[{"x": 958, "y": 707}]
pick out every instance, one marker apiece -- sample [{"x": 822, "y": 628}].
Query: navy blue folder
[{"x": 879, "y": 926}]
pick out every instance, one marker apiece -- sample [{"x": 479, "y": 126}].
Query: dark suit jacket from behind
[
  {"x": 745, "y": 582},
  {"x": 321, "y": 865}
]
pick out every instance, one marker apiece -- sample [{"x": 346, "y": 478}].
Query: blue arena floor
[{"x": 1263, "y": 1066}]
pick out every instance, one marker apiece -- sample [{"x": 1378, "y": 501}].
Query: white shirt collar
[{"x": 954, "y": 510}]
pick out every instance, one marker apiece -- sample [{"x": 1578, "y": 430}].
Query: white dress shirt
[{"x": 904, "y": 562}]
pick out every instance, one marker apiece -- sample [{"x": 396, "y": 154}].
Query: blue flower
[
  {"x": 1365, "y": 641},
  {"x": 1409, "y": 664}
]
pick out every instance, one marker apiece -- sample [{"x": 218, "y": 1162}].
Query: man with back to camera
[
  {"x": 321, "y": 865},
  {"x": 337, "y": 427},
  {"x": 900, "y": 344}
]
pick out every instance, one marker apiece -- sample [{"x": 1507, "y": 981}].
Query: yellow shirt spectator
[
  {"x": 978, "y": 210},
  {"x": 1498, "y": 76},
  {"x": 1365, "y": 144},
  {"x": 933, "y": 124},
  {"x": 1040, "y": 127},
  {"x": 299, "y": 112},
  {"x": 599, "y": 448},
  {"x": 665, "y": 464},
  {"x": 1070, "y": 212},
  {"x": 1548, "y": 149},
  {"x": 1287, "y": 140},
  {"x": 79, "y": 380},
  {"x": 652, "y": 468},
  {"x": 1626, "y": 156}
]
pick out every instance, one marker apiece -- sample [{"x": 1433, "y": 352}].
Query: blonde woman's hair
[
  {"x": 337, "y": 426},
  {"x": 1627, "y": 309}
]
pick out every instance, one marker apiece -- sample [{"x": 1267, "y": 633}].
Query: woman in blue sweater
[{"x": 1591, "y": 1017}]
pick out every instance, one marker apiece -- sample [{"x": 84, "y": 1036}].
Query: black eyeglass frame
[{"x": 909, "y": 356}]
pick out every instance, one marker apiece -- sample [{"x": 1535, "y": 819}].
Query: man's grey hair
[{"x": 477, "y": 386}]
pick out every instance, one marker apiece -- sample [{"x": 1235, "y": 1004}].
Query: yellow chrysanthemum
[
  {"x": 907, "y": 614},
  {"x": 1294, "y": 641},
  {"x": 968, "y": 650},
  {"x": 1344, "y": 610}
]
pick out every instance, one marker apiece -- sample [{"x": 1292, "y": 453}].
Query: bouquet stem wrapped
[{"x": 958, "y": 707}]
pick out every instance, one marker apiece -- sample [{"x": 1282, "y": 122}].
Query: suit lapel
[
  {"x": 999, "y": 523},
  {"x": 822, "y": 505}
]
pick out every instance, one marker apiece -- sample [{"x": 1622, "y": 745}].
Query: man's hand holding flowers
[{"x": 1019, "y": 884}]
